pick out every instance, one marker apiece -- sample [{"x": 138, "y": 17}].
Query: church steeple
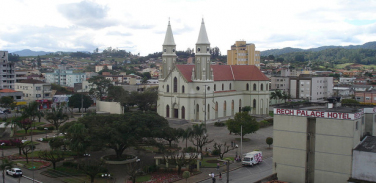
[
  {"x": 202, "y": 62},
  {"x": 168, "y": 53}
]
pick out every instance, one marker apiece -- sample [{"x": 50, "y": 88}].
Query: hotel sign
[{"x": 318, "y": 114}]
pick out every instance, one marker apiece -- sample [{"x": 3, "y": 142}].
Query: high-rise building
[
  {"x": 65, "y": 77},
  {"x": 242, "y": 53},
  {"x": 7, "y": 74}
]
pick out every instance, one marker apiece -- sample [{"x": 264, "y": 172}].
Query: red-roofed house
[{"x": 203, "y": 91}]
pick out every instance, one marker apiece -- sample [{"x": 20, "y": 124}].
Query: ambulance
[{"x": 252, "y": 158}]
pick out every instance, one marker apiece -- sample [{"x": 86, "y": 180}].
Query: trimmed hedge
[{"x": 219, "y": 124}]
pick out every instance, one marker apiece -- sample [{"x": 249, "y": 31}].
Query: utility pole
[
  {"x": 82, "y": 104},
  {"x": 241, "y": 141}
]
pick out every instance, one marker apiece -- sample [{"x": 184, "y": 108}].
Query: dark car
[{"x": 7, "y": 111}]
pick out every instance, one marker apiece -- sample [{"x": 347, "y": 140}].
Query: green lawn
[
  {"x": 143, "y": 178},
  {"x": 341, "y": 66},
  {"x": 208, "y": 162}
]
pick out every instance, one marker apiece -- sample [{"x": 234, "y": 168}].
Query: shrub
[
  {"x": 69, "y": 164},
  {"x": 263, "y": 123},
  {"x": 215, "y": 152},
  {"x": 219, "y": 124},
  {"x": 269, "y": 141},
  {"x": 270, "y": 120},
  {"x": 189, "y": 149}
]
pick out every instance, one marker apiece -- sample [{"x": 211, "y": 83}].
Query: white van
[{"x": 252, "y": 158}]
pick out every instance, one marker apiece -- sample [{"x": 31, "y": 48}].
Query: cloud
[
  {"x": 87, "y": 14},
  {"x": 117, "y": 33}
]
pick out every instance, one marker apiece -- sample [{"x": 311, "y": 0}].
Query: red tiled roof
[
  {"x": 228, "y": 72},
  {"x": 7, "y": 91}
]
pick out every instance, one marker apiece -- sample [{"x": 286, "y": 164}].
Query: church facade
[{"x": 204, "y": 91}]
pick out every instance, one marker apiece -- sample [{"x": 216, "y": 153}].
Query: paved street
[
  {"x": 247, "y": 174},
  {"x": 10, "y": 179}
]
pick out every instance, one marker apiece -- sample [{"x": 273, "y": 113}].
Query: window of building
[
  {"x": 215, "y": 87},
  {"x": 47, "y": 95},
  {"x": 262, "y": 87},
  {"x": 368, "y": 98},
  {"x": 247, "y": 87},
  {"x": 197, "y": 88},
  {"x": 167, "y": 88},
  {"x": 182, "y": 89},
  {"x": 254, "y": 103},
  {"x": 254, "y": 87},
  {"x": 223, "y": 87},
  {"x": 230, "y": 86},
  {"x": 175, "y": 85},
  {"x": 38, "y": 95}
]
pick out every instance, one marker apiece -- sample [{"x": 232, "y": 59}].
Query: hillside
[
  {"x": 276, "y": 52},
  {"x": 28, "y": 52}
]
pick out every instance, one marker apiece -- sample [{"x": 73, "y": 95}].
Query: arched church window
[
  {"x": 230, "y": 86},
  {"x": 173, "y": 50},
  {"x": 247, "y": 87},
  {"x": 223, "y": 87},
  {"x": 254, "y": 87},
  {"x": 167, "y": 88},
  {"x": 164, "y": 50},
  {"x": 215, "y": 87},
  {"x": 182, "y": 89},
  {"x": 198, "y": 49},
  {"x": 254, "y": 103},
  {"x": 175, "y": 84},
  {"x": 207, "y": 49},
  {"x": 262, "y": 87}
]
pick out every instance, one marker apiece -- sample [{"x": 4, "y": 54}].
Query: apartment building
[
  {"x": 243, "y": 53},
  {"x": 7, "y": 74},
  {"x": 315, "y": 143},
  {"x": 304, "y": 86},
  {"x": 65, "y": 77},
  {"x": 35, "y": 90},
  {"x": 101, "y": 67},
  {"x": 311, "y": 88}
]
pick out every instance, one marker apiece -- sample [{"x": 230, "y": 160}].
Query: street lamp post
[
  {"x": 46, "y": 132},
  {"x": 2, "y": 154},
  {"x": 205, "y": 106}
]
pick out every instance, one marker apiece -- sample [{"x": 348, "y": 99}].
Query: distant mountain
[
  {"x": 28, "y": 52},
  {"x": 276, "y": 52}
]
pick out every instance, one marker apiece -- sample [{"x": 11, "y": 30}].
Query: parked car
[
  {"x": 7, "y": 111},
  {"x": 14, "y": 172}
]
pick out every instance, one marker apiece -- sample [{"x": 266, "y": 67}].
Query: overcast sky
[{"x": 139, "y": 26}]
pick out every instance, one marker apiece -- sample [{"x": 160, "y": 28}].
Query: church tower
[
  {"x": 202, "y": 62},
  {"x": 168, "y": 53}
]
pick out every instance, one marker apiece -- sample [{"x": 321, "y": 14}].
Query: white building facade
[
  {"x": 203, "y": 91},
  {"x": 64, "y": 77}
]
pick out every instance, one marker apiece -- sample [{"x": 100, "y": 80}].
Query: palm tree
[
  {"x": 277, "y": 94},
  {"x": 30, "y": 111},
  {"x": 286, "y": 96},
  {"x": 56, "y": 117},
  {"x": 188, "y": 133},
  {"x": 199, "y": 131},
  {"x": 5, "y": 164}
]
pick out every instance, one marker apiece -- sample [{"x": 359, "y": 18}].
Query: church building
[{"x": 204, "y": 91}]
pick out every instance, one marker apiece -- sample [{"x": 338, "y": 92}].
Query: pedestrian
[
  {"x": 217, "y": 166},
  {"x": 232, "y": 143},
  {"x": 209, "y": 151},
  {"x": 220, "y": 176}
]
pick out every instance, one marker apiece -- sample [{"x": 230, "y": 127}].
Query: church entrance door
[{"x": 176, "y": 113}]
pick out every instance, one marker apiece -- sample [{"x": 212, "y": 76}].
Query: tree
[
  {"x": 143, "y": 163},
  {"x": 200, "y": 138},
  {"x": 79, "y": 139},
  {"x": 56, "y": 143},
  {"x": 6, "y": 102},
  {"x": 39, "y": 61},
  {"x": 24, "y": 123},
  {"x": 242, "y": 119},
  {"x": 269, "y": 141},
  {"x": 277, "y": 94},
  {"x": 27, "y": 149},
  {"x": 75, "y": 101},
  {"x": 286, "y": 96},
  {"x": 170, "y": 134},
  {"x": 186, "y": 175},
  {"x": 246, "y": 109},
  {"x": 56, "y": 117},
  {"x": 100, "y": 86},
  {"x": 18, "y": 143},
  {"x": 53, "y": 156},
  {"x": 39, "y": 115},
  {"x": 6, "y": 164},
  {"x": 92, "y": 168},
  {"x": 187, "y": 134},
  {"x": 30, "y": 111},
  {"x": 222, "y": 152},
  {"x": 180, "y": 159},
  {"x": 144, "y": 100}
]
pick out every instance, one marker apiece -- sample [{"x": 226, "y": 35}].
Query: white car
[{"x": 14, "y": 172}]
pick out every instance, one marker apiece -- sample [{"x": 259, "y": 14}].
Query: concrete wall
[
  {"x": 111, "y": 107},
  {"x": 364, "y": 166}
]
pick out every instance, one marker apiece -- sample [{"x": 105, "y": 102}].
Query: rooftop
[
  {"x": 320, "y": 106},
  {"x": 7, "y": 91},
  {"x": 368, "y": 145},
  {"x": 32, "y": 81}
]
